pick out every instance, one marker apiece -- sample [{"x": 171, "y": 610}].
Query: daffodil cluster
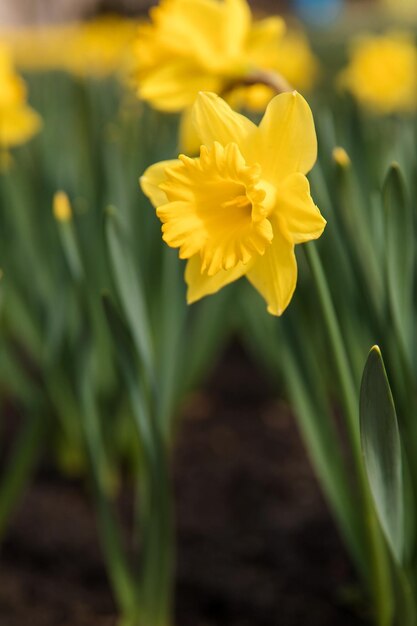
[
  {"x": 18, "y": 121},
  {"x": 241, "y": 206}
]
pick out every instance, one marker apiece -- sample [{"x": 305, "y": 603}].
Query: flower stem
[{"x": 121, "y": 577}]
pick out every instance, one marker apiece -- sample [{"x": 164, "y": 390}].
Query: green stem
[
  {"x": 156, "y": 520},
  {"x": 379, "y": 578},
  {"x": 21, "y": 465},
  {"x": 120, "y": 575}
]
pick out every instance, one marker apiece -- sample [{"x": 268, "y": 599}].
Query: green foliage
[{"x": 381, "y": 447}]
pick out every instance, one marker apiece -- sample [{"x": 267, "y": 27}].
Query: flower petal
[
  {"x": 175, "y": 85},
  {"x": 189, "y": 141},
  {"x": 263, "y": 41},
  {"x": 237, "y": 25},
  {"x": 152, "y": 178},
  {"x": 200, "y": 284},
  {"x": 214, "y": 120},
  {"x": 297, "y": 210},
  {"x": 286, "y": 141},
  {"x": 17, "y": 125},
  {"x": 274, "y": 274}
]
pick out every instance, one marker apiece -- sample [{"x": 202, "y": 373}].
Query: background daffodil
[
  {"x": 242, "y": 205},
  {"x": 193, "y": 45},
  {"x": 382, "y": 73}
]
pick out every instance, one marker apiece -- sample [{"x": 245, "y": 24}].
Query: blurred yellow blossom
[
  {"x": 382, "y": 73},
  {"x": 103, "y": 46},
  {"x": 61, "y": 207},
  {"x": 241, "y": 206},
  {"x": 40, "y": 48},
  {"x": 193, "y": 45},
  {"x": 18, "y": 122},
  {"x": 98, "y": 47},
  {"x": 340, "y": 156}
]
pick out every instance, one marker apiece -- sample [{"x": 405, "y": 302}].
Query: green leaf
[
  {"x": 127, "y": 358},
  {"x": 130, "y": 288},
  {"x": 399, "y": 253},
  {"x": 381, "y": 446}
]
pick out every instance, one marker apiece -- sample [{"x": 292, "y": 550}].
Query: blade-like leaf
[
  {"x": 399, "y": 253},
  {"x": 381, "y": 445},
  {"x": 130, "y": 288}
]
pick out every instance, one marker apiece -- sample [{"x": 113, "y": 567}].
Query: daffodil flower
[
  {"x": 241, "y": 206},
  {"x": 194, "y": 45},
  {"x": 18, "y": 122},
  {"x": 382, "y": 73}
]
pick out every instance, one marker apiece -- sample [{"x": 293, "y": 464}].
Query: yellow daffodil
[
  {"x": 193, "y": 45},
  {"x": 241, "y": 206},
  {"x": 382, "y": 73},
  {"x": 18, "y": 122}
]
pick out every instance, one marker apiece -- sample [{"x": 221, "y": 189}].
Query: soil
[{"x": 256, "y": 543}]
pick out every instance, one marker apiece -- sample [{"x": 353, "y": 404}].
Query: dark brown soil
[{"x": 256, "y": 545}]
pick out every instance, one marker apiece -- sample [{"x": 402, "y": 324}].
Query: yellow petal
[
  {"x": 274, "y": 274},
  {"x": 286, "y": 141},
  {"x": 175, "y": 85},
  {"x": 208, "y": 30},
  {"x": 17, "y": 125},
  {"x": 189, "y": 141},
  {"x": 200, "y": 284},
  {"x": 152, "y": 178},
  {"x": 214, "y": 120},
  {"x": 262, "y": 41},
  {"x": 237, "y": 24},
  {"x": 297, "y": 210},
  {"x": 296, "y": 61}
]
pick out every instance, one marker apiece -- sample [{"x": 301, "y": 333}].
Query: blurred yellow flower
[
  {"x": 382, "y": 73},
  {"x": 103, "y": 46},
  {"x": 18, "y": 122},
  {"x": 241, "y": 206},
  {"x": 40, "y": 48},
  {"x": 61, "y": 207},
  {"x": 98, "y": 47},
  {"x": 341, "y": 157},
  {"x": 193, "y": 45}
]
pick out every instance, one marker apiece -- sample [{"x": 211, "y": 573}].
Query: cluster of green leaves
[{"x": 98, "y": 344}]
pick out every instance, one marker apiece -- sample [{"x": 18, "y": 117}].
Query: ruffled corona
[
  {"x": 242, "y": 205},
  {"x": 218, "y": 207}
]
